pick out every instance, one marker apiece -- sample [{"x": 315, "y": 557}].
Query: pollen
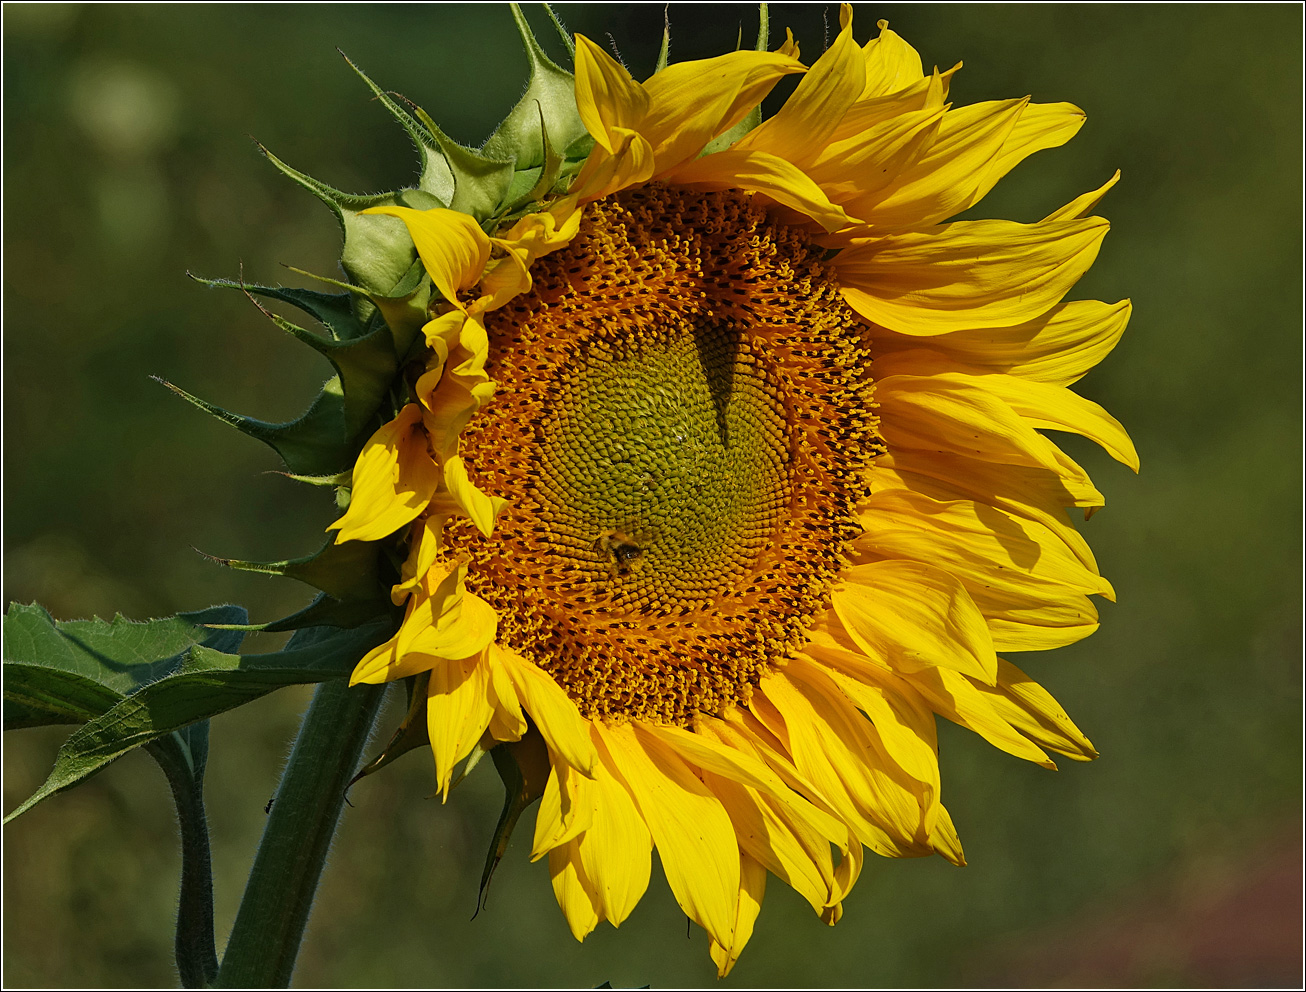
[{"x": 683, "y": 429}]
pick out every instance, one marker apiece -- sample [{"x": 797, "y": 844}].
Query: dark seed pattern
[{"x": 683, "y": 428}]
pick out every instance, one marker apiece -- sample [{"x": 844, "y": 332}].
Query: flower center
[
  {"x": 664, "y": 463},
  {"x": 683, "y": 430}
]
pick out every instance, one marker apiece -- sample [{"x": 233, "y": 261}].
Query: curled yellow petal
[
  {"x": 393, "y": 480},
  {"x": 452, "y": 246}
]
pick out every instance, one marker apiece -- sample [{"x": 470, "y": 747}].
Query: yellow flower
[{"x": 725, "y": 473}]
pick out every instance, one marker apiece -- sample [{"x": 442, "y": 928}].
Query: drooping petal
[
  {"x": 457, "y": 712},
  {"x": 692, "y": 832},
  {"x": 616, "y": 849},
  {"x": 573, "y": 890},
  {"x": 1030, "y": 709},
  {"x": 452, "y": 246},
  {"x": 752, "y": 887},
  {"x": 393, "y": 480},
  {"x": 565, "y": 730}
]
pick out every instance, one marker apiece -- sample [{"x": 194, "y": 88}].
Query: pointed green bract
[
  {"x": 343, "y": 571},
  {"x": 550, "y": 97},
  {"x": 435, "y": 177},
  {"x": 311, "y": 445}
]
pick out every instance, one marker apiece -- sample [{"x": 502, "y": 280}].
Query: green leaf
[
  {"x": 551, "y": 97},
  {"x": 74, "y": 671},
  {"x": 480, "y": 183},
  {"x": 198, "y": 683},
  {"x": 314, "y": 444},
  {"x": 334, "y": 311},
  {"x": 664, "y": 53}
]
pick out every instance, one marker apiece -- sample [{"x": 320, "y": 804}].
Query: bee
[{"x": 619, "y": 548}]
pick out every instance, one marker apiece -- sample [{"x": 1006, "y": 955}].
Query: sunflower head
[{"x": 709, "y": 457}]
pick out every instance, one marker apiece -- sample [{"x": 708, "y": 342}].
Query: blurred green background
[{"x": 1175, "y": 859}]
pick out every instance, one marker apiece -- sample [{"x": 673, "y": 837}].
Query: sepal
[
  {"x": 545, "y": 119},
  {"x": 313, "y": 444},
  {"x": 364, "y": 361},
  {"x": 377, "y": 251},
  {"x": 524, "y": 768}
]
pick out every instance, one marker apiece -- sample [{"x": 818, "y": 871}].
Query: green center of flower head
[
  {"x": 682, "y": 428},
  {"x": 667, "y": 457}
]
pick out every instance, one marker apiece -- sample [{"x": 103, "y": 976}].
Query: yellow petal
[
  {"x": 603, "y": 172},
  {"x": 955, "y": 697},
  {"x": 944, "y": 179},
  {"x": 1057, "y": 347},
  {"x": 573, "y": 890},
  {"x": 457, "y": 712},
  {"x": 761, "y": 172},
  {"x": 1040, "y": 126},
  {"x": 393, "y": 480},
  {"x": 797, "y": 855},
  {"x": 1050, "y": 407},
  {"x": 453, "y": 390},
  {"x": 752, "y": 886},
  {"x": 481, "y": 508},
  {"x": 982, "y": 273},
  {"x": 906, "y": 728},
  {"x": 710, "y": 753},
  {"x": 552, "y": 827},
  {"x": 1016, "y": 571},
  {"x": 606, "y": 96},
  {"x": 694, "y": 838},
  {"x": 509, "y": 722},
  {"x": 452, "y": 246},
  {"x": 891, "y": 63},
  {"x": 956, "y": 413},
  {"x": 808, "y": 119},
  {"x": 690, "y": 103},
  {"x": 1082, "y": 206},
  {"x": 1030, "y": 709},
  {"x": 565, "y": 730},
  {"x": 915, "y": 616},
  {"x": 460, "y": 634},
  {"x": 927, "y": 93},
  {"x": 616, "y": 849},
  {"x": 830, "y": 741},
  {"x": 425, "y": 545},
  {"x": 1029, "y": 493}
]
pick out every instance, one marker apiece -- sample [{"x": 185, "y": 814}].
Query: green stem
[
  {"x": 197, "y": 962},
  {"x": 279, "y": 895}
]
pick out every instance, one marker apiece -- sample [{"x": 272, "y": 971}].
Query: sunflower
[{"x": 722, "y": 475}]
